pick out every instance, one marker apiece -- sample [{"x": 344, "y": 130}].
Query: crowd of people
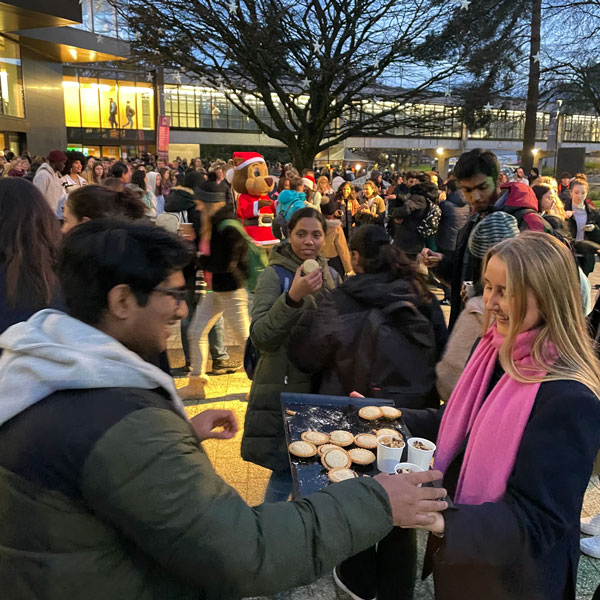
[{"x": 105, "y": 487}]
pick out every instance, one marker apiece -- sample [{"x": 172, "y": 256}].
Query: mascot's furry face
[{"x": 252, "y": 179}]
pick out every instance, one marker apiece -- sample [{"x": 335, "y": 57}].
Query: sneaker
[
  {"x": 342, "y": 586},
  {"x": 591, "y": 525},
  {"x": 221, "y": 367},
  {"x": 590, "y": 546}
]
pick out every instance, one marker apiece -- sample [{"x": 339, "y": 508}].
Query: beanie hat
[
  {"x": 309, "y": 182},
  {"x": 329, "y": 208},
  {"x": 57, "y": 156},
  {"x": 492, "y": 230},
  {"x": 367, "y": 240},
  {"x": 209, "y": 192}
]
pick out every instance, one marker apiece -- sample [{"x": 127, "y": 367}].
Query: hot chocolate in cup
[
  {"x": 407, "y": 467},
  {"x": 389, "y": 452},
  {"x": 420, "y": 451}
]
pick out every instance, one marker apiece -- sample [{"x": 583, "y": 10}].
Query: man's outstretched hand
[
  {"x": 414, "y": 506},
  {"x": 208, "y": 420}
]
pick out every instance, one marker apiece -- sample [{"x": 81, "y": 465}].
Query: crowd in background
[{"x": 496, "y": 386}]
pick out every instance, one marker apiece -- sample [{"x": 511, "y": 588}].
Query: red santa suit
[{"x": 248, "y": 211}]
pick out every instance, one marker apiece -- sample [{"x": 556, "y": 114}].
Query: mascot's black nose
[{"x": 269, "y": 180}]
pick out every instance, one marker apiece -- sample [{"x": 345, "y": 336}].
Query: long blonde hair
[{"x": 540, "y": 264}]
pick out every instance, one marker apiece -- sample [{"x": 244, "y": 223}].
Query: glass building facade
[
  {"x": 12, "y": 102},
  {"x": 98, "y": 16},
  {"x": 109, "y": 112},
  {"x": 112, "y": 112}
]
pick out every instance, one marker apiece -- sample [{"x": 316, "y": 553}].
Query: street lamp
[
  {"x": 439, "y": 151},
  {"x": 357, "y": 167},
  {"x": 535, "y": 151}
]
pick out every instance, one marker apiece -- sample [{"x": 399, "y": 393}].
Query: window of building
[
  {"x": 11, "y": 80},
  {"x": 92, "y": 102}
]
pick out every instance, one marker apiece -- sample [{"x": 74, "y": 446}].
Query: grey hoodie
[{"x": 53, "y": 351}]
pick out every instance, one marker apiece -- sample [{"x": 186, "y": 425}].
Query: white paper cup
[
  {"x": 388, "y": 458},
  {"x": 420, "y": 457},
  {"x": 407, "y": 465}
]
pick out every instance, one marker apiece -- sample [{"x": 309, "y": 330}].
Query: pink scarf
[{"x": 495, "y": 427}]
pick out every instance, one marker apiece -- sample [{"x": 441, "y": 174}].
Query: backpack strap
[
  {"x": 285, "y": 277},
  {"x": 235, "y": 224}
]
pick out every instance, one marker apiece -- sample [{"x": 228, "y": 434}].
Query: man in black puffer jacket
[{"x": 407, "y": 213}]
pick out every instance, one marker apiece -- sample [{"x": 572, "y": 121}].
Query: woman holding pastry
[
  {"x": 297, "y": 278},
  {"x": 518, "y": 437}
]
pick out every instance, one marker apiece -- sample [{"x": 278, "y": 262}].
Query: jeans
[
  {"x": 279, "y": 487},
  {"x": 216, "y": 336},
  {"x": 234, "y": 306}
]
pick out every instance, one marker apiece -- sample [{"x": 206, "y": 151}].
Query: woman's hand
[
  {"x": 204, "y": 423},
  {"x": 306, "y": 285},
  {"x": 438, "y": 526}
]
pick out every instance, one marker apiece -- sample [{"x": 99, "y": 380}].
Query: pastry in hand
[{"x": 337, "y": 475}]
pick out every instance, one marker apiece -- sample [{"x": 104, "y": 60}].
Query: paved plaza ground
[{"x": 228, "y": 391}]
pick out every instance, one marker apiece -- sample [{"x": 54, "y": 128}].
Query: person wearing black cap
[
  {"x": 380, "y": 334},
  {"x": 222, "y": 258}
]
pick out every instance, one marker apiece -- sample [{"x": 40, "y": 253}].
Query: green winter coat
[
  {"x": 107, "y": 494},
  {"x": 272, "y": 320}
]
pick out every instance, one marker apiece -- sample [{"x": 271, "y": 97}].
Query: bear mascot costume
[{"x": 250, "y": 178}]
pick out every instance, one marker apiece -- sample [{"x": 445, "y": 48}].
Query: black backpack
[
  {"x": 430, "y": 224},
  {"x": 395, "y": 356}
]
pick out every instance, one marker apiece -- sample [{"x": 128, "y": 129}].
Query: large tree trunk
[
  {"x": 303, "y": 154},
  {"x": 533, "y": 90}
]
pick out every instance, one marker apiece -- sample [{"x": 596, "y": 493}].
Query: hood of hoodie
[
  {"x": 519, "y": 195},
  {"x": 287, "y": 197},
  {"x": 47, "y": 167},
  {"x": 53, "y": 351},
  {"x": 377, "y": 290}
]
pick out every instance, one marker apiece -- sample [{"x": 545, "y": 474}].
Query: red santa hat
[
  {"x": 309, "y": 182},
  {"x": 247, "y": 159}
]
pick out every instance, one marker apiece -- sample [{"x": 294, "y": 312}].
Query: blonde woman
[
  {"x": 518, "y": 437},
  {"x": 372, "y": 209},
  {"x": 325, "y": 189}
]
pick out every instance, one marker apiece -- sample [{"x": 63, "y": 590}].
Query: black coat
[
  {"x": 411, "y": 209},
  {"x": 327, "y": 339},
  {"x": 458, "y": 267},
  {"x": 227, "y": 260},
  {"x": 526, "y": 546},
  {"x": 455, "y": 213}
]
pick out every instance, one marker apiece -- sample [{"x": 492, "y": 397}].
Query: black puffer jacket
[
  {"x": 327, "y": 340},
  {"x": 407, "y": 213},
  {"x": 455, "y": 212}
]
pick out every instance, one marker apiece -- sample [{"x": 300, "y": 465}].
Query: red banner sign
[{"x": 162, "y": 137}]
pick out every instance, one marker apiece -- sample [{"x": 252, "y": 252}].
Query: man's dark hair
[
  {"x": 118, "y": 169},
  {"x": 565, "y": 175},
  {"x": 98, "y": 255},
  {"x": 477, "y": 162}
]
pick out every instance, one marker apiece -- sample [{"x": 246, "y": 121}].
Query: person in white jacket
[{"x": 48, "y": 180}]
